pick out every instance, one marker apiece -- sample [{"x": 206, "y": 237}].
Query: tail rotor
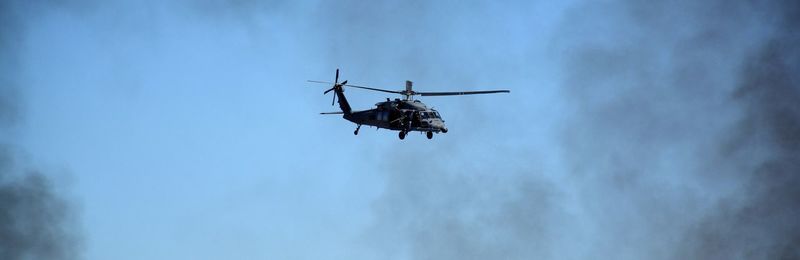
[
  {"x": 335, "y": 85},
  {"x": 338, "y": 92}
]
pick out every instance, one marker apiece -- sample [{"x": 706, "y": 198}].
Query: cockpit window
[{"x": 427, "y": 115}]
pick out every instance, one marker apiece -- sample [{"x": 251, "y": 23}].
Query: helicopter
[{"x": 404, "y": 115}]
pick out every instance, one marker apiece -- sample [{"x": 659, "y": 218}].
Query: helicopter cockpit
[{"x": 429, "y": 114}]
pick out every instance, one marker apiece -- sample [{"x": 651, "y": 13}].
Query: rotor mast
[{"x": 409, "y": 93}]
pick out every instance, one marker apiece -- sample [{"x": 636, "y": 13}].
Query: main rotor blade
[
  {"x": 357, "y": 86},
  {"x": 322, "y": 82},
  {"x": 332, "y": 113},
  {"x": 458, "y": 93},
  {"x": 376, "y": 89}
]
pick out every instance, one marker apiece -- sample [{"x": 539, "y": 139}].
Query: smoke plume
[
  {"x": 682, "y": 142},
  {"x": 36, "y": 222},
  {"x": 765, "y": 223},
  {"x": 690, "y": 121}
]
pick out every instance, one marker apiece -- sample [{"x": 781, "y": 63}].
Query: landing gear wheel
[
  {"x": 402, "y": 135},
  {"x": 430, "y": 135},
  {"x": 356, "y": 131}
]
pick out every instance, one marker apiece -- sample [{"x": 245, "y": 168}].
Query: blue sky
[
  {"x": 191, "y": 133},
  {"x": 186, "y": 130}
]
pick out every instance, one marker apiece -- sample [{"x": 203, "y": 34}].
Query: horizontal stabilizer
[{"x": 332, "y": 113}]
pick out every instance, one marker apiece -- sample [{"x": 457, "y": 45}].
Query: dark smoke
[
  {"x": 766, "y": 225},
  {"x": 36, "y": 222},
  {"x": 684, "y": 144},
  {"x": 664, "y": 93}
]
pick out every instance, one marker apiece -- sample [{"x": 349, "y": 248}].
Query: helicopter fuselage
[{"x": 400, "y": 115}]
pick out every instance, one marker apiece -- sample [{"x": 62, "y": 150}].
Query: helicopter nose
[
  {"x": 441, "y": 127},
  {"x": 438, "y": 125}
]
